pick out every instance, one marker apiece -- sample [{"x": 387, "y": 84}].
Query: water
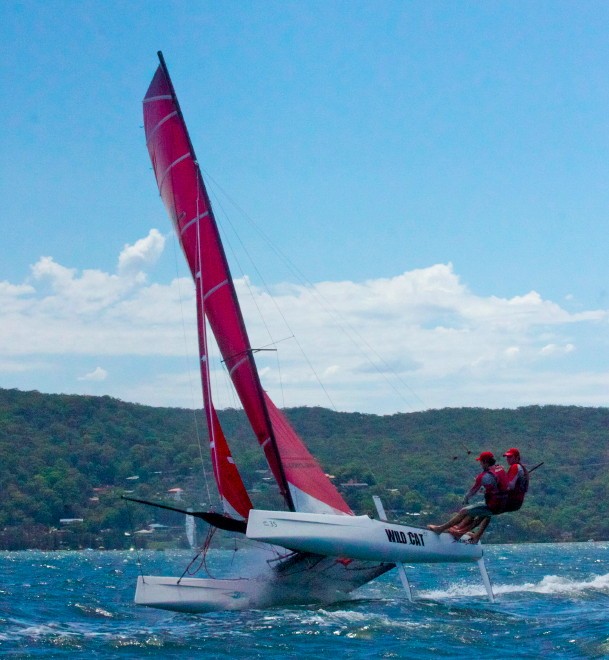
[{"x": 551, "y": 599}]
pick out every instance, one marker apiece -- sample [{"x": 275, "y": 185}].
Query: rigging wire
[
  {"x": 189, "y": 360},
  {"x": 267, "y": 288},
  {"x": 203, "y": 556},
  {"x": 352, "y": 333},
  {"x": 135, "y": 545},
  {"x": 564, "y": 467}
]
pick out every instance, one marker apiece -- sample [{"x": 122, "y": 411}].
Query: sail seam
[
  {"x": 156, "y": 128},
  {"x": 191, "y": 222},
  {"x": 175, "y": 162}
]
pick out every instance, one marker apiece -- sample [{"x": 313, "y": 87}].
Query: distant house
[
  {"x": 354, "y": 484},
  {"x": 177, "y": 493}
]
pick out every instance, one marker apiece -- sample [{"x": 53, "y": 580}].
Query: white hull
[
  {"x": 196, "y": 595},
  {"x": 357, "y": 537},
  {"x": 294, "y": 580},
  {"x": 345, "y": 553}
]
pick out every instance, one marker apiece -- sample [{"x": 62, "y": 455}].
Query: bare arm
[{"x": 473, "y": 490}]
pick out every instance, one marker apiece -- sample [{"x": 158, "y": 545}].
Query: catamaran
[{"x": 321, "y": 551}]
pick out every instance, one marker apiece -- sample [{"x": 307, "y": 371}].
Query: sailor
[
  {"x": 493, "y": 480},
  {"x": 516, "y": 487},
  {"x": 517, "y": 481}
]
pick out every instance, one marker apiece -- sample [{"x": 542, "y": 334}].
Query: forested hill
[{"x": 71, "y": 457}]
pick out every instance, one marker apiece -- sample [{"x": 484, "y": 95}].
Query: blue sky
[{"x": 438, "y": 170}]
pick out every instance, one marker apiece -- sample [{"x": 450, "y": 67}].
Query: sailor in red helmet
[
  {"x": 517, "y": 482},
  {"x": 493, "y": 480}
]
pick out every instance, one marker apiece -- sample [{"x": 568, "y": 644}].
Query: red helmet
[{"x": 486, "y": 456}]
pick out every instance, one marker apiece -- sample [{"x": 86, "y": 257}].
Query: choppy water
[{"x": 551, "y": 599}]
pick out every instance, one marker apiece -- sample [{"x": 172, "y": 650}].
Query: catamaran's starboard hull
[
  {"x": 299, "y": 579},
  {"x": 357, "y": 537}
]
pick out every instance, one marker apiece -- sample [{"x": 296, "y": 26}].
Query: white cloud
[
  {"x": 9, "y": 291},
  {"x": 426, "y": 327},
  {"x": 555, "y": 349},
  {"x": 98, "y": 374},
  {"x": 422, "y": 333},
  {"x": 143, "y": 253}
]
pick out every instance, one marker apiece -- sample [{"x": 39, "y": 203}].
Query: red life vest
[
  {"x": 495, "y": 494},
  {"x": 515, "y": 497}
]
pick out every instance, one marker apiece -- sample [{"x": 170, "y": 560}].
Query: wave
[{"x": 548, "y": 585}]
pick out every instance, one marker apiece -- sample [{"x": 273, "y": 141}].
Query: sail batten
[
  {"x": 156, "y": 128},
  {"x": 237, "y": 365},
  {"x": 216, "y": 288},
  {"x": 189, "y": 224},
  {"x": 163, "y": 97},
  {"x": 177, "y": 161}
]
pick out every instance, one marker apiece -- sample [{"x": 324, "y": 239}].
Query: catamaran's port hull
[
  {"x": 197, "y": 595},
  {"x": 357, "y": 537},
  {"x": 297, "y": 579}
]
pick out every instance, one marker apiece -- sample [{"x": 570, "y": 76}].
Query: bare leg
[
  {"x": 455, "y": 520},
  {"x": 480, "y": 531},
  {"x": 468, "y": 523}
]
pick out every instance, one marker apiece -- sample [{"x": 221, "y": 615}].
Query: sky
[{"x": 414, "y": 198}]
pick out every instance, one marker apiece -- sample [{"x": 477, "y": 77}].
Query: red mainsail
[{"x": 301, "y": 480}]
